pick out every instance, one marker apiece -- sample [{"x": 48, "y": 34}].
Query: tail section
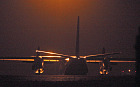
[
  {"x": 76, "y": 66},
  {"x": 77, "y": 39}
]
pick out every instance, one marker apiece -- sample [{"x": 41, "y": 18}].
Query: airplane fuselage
[{"x": 76, "y": 67}]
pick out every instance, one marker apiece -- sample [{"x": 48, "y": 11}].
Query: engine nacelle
[
  {"x": 105, "y": 66},
  {"x": 38, "y": 65}
]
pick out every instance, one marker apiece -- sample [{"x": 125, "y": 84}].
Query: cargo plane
[{"x": 74, "y": 65}]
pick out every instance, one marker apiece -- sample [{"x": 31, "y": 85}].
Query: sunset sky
[{"x": 51, "y": 24}]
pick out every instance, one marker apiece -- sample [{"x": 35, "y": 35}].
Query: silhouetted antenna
[
  {"x": 103, "y": 51},
  {"x": 38, "y": 53},
  {"x": 77, "y": 39}
]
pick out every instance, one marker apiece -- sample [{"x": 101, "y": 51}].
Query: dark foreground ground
[{"x": 87, "y": 81}]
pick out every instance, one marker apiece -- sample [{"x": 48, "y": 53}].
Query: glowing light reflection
[
  {"x": 101, "y": 72},
  {"x": 41, "y": 70},
  {"x": 48, "y": 56},
  {"x": 42, "y": 63},
  {"x": 120, "y": 61},
  {"x": 18, "y": 59},
  {"x": 80, "y": 56},
  {"x": 29, "y": 60},
  {"x": 73, "y": 56},
  {"x": 65, "y": 55},
  {"x": 53, "y": 53},
  {"x": 93, "y": 60},
  {"x": 67, "y": 59},
  {"x": 59, "y": 54},
  {"x": 47, "y": 52},
  {"x": 40, "y": 51},
  {"x": 106, "y": 72},
  {"x": 103, "y": 64},
  {"x": 91, "y": 55},
  {"x": 51, "y": 56},
  {"x": 51, "y": 60}
]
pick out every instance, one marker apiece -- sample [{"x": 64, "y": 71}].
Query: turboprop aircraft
[{"x": 74, "y": 65}]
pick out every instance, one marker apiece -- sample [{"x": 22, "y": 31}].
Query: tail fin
[{"x": 77, "y": 39}]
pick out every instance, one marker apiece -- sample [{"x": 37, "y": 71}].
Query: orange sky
[{"x": 51, "y": 24}]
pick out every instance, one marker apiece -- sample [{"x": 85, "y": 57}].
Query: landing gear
[
  {"x": 39, "y": 71},
  {"x": 103, "y": 72}
]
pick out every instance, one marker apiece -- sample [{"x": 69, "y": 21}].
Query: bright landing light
[
  {"x": 41, "y": 70},
  {"x": 67, "y": 59}
]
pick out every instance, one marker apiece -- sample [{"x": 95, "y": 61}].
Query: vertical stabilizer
[
  {"x": 77, "y": 39},
  {"x": 76, "y": 66}
]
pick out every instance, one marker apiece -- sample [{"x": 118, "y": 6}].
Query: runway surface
[{"x": 67, "y": 81}]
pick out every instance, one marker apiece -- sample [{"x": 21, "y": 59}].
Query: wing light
[{"x": 67, "y": 59}]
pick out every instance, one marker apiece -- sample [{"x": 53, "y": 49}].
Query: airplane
[{"x": 74, "y": 65}]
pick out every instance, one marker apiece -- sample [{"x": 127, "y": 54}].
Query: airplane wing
[
  {"x": 52, "y": 53},
  {"x": 122, "y": 60},
  {"x": 112, "y": 60},
  {"x": 102, "y": 55},
  {"x": 22, "y": 59},
  {"x": 55, "y": 57},
  {"x": 50, "y": 58},
  {"x": 31, "y": 59}
]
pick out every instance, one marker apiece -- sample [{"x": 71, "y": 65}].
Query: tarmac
[{"x": 68, "y": 81}]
